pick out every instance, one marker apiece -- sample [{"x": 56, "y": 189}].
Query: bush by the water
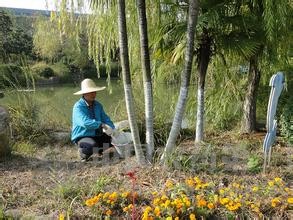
[
  {"x": 42, "y": 70},
  {"x": 12, "y": 75}
]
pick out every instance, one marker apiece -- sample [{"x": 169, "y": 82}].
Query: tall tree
[
  {"x": 272, "y": 20},
  {"x": 5, "y": 31},
  {"x": 185, "y": 79},
  {"x": 147, "y": 79},
  {"x": 123, "y": 45}
]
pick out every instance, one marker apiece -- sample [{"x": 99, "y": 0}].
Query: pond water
[{"x": 56, "y": 102}]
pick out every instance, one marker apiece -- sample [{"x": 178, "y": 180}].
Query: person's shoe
[{"x": 86, "y": 159}]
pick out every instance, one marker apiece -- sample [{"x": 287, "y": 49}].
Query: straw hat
[{"x": 87, "y": 86}]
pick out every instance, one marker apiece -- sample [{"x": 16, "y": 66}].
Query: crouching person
[{"x": 88, "y": 120}]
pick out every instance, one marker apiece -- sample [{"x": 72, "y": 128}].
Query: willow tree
[
  {"x": 193, "y": 8},
  {"x": 147, "y": 79}
]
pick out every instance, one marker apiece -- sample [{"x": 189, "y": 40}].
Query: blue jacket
[{"x": 85, "y": 121}]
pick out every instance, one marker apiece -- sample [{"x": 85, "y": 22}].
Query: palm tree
[
  {"x": 146, "y": 69},
  {"x": 268, "y": 26},
  {"x": 185, "y": 79},
  {"x": 123, "y": 45}
]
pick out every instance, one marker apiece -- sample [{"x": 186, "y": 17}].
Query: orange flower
[
  {"x": 201, "y": 203},
  {"x": 211, "y": 205},
  {"x": 108, "y": 212}
]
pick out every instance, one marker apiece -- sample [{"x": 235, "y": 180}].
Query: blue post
[{"x": 277, "y": 84}]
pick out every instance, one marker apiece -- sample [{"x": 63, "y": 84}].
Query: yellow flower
[
  {"x": 148, "y": 209},
  {"x": 156, "y": 201},
  {"x": 275, "y": 202},
  {"x": 233, "y": 207},
  {"x": 164, "y": 197},
  {"x": 271, "y": 183},
  {"x": 105, "y": 196},
  {"x": 61, "y": 216},
  {"x": 189, "y": 182},
  {"x": 125, "y": 194},
  {"x": 211, "y": 205},
  {"x": 290, "y": 200},
  {"x": 192, "y": 217},
  {"x": 187, "y": 201},
  {"x": 224, "y": 201},
  {"x": 90, "y": 202},
  {"x": 255, "y": 189},
  {"x": 169, "y": 218},
  {"x": 222, "y": 191},
  {"x": 108, "y": 212},
  {"x": 278, "y": 180},
  {"x": 167, "y": 203},
  {"x": 157, "y": 211},
  {"x": 113, "y": 196},
  {"x": 197, "y": 180},
  {"x": 169, "y": 184}
]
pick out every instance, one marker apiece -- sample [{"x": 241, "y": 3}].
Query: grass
[{"x": 51, "y": 181}]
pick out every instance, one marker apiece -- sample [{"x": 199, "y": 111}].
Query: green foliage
[
  {"x": 100, "y": 184},
  {"x": 24, "y": 147},
  {"x": 42, "y": 70},
  {"x": 25, "y": 118},
  {"x": 62, "y": 72},
  {"x": 14, "y": 41},
  {"x": 254, "y": 164},
  {"x": 286, "y": 121},
  {"x": 224, "y": 95},
  {"x": 11, "y": 75},
  {"x": 46, "y": 41},
  {"x": 67, "y": 190}
]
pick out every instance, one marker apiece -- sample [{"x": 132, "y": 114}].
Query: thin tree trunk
[
  {"x": 249, "y": 114},
  {"x": 123, "y": 43},
  {"x": 185, "y": 79},
  {"x": 203, "y": 62},
  {"x": 147, "y": 79}
]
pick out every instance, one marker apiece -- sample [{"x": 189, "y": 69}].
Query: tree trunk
[
  {"x": 185, "y": 79},
  {"x": 147, "y": 79},
  {"x": 123, "y": 43},
  {"x": 203, "y": 62},
  {"x": 249, "y": 114}
]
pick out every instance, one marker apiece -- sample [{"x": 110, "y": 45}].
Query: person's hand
[{"x": 107, "y": 129}]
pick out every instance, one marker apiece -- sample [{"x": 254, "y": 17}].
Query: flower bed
[{"x": 195, "y": 198}]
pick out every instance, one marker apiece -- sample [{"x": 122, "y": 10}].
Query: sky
[{"x": 29, "y": 4}]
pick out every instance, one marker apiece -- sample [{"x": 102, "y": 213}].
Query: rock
[
  {"x": 61, "y": 136},
  {"x": 4, "y": 132},
  {"x": 13, "y": 213}
]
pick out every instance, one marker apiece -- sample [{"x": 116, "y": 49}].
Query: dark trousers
[{"x": 86, "y": 145}]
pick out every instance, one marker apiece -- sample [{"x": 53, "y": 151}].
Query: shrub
[
  {"x": 42, "y": 70},
  {"x": 286, "y": 121},
  {"x": 25, "y": 121},
  {"x": 11, "y": 75},
  {"x": 62, "y": 72}
]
